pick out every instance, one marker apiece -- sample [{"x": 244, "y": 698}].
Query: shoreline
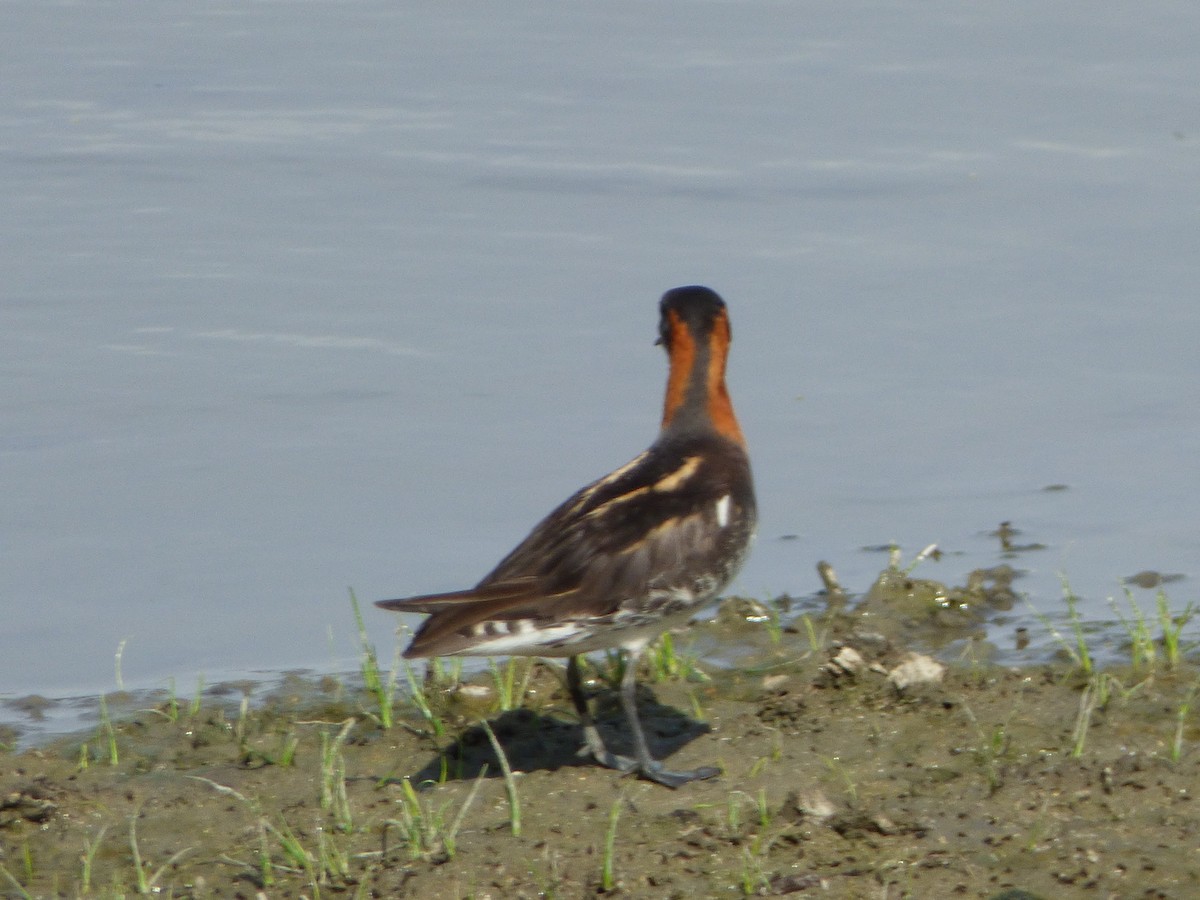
[{"x": 1059, "y": 779}]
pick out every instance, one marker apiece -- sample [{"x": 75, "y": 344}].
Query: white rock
[{"x": 916, "y": 669}]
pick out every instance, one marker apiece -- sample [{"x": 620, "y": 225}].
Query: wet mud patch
[{"x": 852, "y": 765}]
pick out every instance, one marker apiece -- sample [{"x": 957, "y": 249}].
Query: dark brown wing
[
  {"x": 518, "y": 589},
  {"x": 652, "y": 527},
  {"x": 669, "y": 483}
]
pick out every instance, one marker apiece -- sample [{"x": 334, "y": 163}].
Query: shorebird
[{"x": 628, "y": 556}]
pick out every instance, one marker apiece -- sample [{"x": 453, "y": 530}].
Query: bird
[{"x": 630, "y": 555}]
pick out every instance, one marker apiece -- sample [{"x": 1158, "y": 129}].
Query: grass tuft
[
  {"x": 382, "y": 690},
  {"x": 511, "y": 681},
  {"x": 424, "y": 827},
  {"x": 510, "y": 784},
  {"x": 668, "y": 663},
  {"x": 839, "y": 771},
  {"x": 197, "y": 698},
  {"x": 20, "y": 890},
  {"x": 1142, "y": 652},
  {"x": 1185, "y": 708},
  {"x": 993, "y": 746},
  {"x": 88, "y": 859},
  {"x": 1088, "y": 702},
  {"x": 420, "y": 697},
  {"x": 147, "y": 883},
  {"x": 608, "y": 878},
  {"x": 333, "y": 777},
  {"x": 109, "y": 733},
  {"x": 1172, "y": 626},
  {"x": 1076, "y": 649},
  {"x": 301, "y": 858}
]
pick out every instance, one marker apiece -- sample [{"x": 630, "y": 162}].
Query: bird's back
[{"x": 658, "y": 536}]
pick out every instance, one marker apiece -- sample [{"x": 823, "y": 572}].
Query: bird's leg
[
  {"x": 642, "y": 762},
  {"x": 595, "y": 744},
  {"x": 647, "y": 766}
]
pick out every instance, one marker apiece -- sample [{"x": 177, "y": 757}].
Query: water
[{"x": 300, "y": 297}]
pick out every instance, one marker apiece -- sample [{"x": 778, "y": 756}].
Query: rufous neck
[{"x": 697, "y": 397}]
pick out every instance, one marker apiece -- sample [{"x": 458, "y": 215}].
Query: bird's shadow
[{"x": 533, "y": 741}]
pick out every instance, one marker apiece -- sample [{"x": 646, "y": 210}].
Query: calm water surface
[{"x": 306, "y": 297}]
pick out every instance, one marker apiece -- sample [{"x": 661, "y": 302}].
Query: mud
[{"x": 838, "y": 780}]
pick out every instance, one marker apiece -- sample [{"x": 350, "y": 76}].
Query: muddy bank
[{"x": 837, "y": 780}]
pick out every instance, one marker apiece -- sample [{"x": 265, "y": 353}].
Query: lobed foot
[
  {"x": 650, "y": 770},
  {"x": 656, "y": 773}
]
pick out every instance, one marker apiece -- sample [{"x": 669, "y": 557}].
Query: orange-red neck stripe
[
  {"x": 692, "y": 370},
  {"x": 720, "y": 407},
  {"x": 682, "y": 356}
]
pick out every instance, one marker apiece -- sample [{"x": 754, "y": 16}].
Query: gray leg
[
  {"x": 647, "y": 766},
  {"x": 595, "y": 744},
  {"x": 643, "y": 763}
]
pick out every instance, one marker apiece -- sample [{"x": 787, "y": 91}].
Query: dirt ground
[{"x": 839, "y": 779}]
